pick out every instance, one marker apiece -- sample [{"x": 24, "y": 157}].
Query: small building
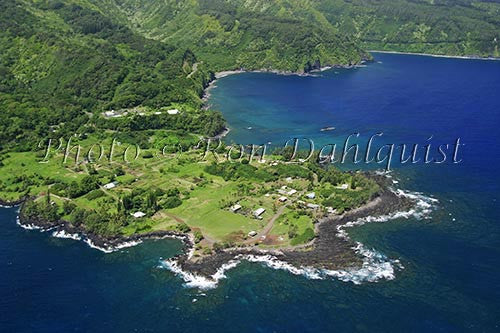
[
  {"x": 259, "y": 212},
  {"x": 312, "y": 206},
  {"x": 235, "y": 208},
  {"x": 138, "y": 215},
  {"x": 289, "y": 179},
  {"x": 282, "y": 199},
  {"x": 173, "y": 111},
  {"x": 157, "y": 113},
  {"x": 111, "y": 185},
  {"x": 252, "y": 233},
  {"x": 343, "y": 187},
  {"x": 330, "y": 210},
  {"x": 311, "y": 195},
  {"x": 292, "y": 192}
]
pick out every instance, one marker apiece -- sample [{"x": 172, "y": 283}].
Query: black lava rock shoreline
[{"x": 327, "y": 250}]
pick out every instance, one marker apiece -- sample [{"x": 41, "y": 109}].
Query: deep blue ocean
[{"x": 451, "y": 276}]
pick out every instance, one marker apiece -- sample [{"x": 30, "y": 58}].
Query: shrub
[
  {"x": 94, "y": 195},
  {"x": 171, "y": 202},
  {"x": 305, "y": 237}
]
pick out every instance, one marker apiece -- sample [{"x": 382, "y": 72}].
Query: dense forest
[
  {"x": 283, "y": 34},
  {"x": 257, "y": 34},
  {"x": 64, "y": 62},
  {"x": 448, "y": 27}
]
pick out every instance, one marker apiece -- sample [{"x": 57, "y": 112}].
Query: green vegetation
[
  {"x": 181, "y": 192},
  {"x": 133, "y": 73},
  {"x": 448, "y": 27},
  {"x": 65, "y": 62},
  {"x": 62, "y": 64}
]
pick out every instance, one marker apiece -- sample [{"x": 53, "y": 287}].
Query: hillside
[
  {"x": 258, "y": 34},
  {"x": 447, "y": 27},
  {"x": 286, "y": 34},
  {"x": 63, "y": 62}
]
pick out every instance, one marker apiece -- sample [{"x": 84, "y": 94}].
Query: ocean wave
[
  {"x": 375, "y": 267},
  {"x": 111, "y": 249},
  {"x": 58, "y": 233},
  {"x": 66, "y": 235},
  {"x": 197, "y": 281},
  {"x": 27, "y": 226}
]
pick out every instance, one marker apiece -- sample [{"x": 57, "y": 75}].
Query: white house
[
  {"x": 111, "y": 185},
  {"x": 252, "y": 233},
  {"x": 292, "y": 192},
  {"x": 343, "y": 187},
  {"x": 235, "y": 208},
  {"x": 312, "y": 206},
  {"x": 311, "y": 195},
  {"x": 259, "y": 212},
  {"x": 282, "y": 199},
  {"x": 330, "y": 210},
  {"x": 138, "y": 215},
  {"x": 173, "y": 111}
]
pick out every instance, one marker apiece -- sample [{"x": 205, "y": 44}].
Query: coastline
[
  {"x": 331, "y": 253},
  {"x": 437, "y": 55},
  {"x": 313, "y": 73},
  {"x": 330, "y": 250}
]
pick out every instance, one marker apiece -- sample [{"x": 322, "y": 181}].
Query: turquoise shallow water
[{"x": 451, "y": 276}]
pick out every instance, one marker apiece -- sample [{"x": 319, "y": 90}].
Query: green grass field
[{"x": 204, "y": 199}]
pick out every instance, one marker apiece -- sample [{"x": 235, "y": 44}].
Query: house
[
  {"x": 292, "y": 192},
  {"x": 113, "y": 114},
  {"x": 252, "y": 233},
  {"x": 235, "y": 208},
  {"x": 259, "y": 212},
  {"x": 173, "y": 111},
  {"x": 289, "y": 179},
  {"x": 343, "y": 187},
  {"x": 282, "y": 199},
  {"x": 312, "y": 206},
  {"x": 111, "y": 185},
  {"x": 157, "y": 113},
  {"x": 311, "y": 195},
  {"x": 330, "y": 210},
  {"x": 138, "y": 215}
]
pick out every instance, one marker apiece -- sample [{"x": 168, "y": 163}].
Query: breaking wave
[
  {"x": 66, "y": 235},
  {"x": 112, "y": 249}
]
